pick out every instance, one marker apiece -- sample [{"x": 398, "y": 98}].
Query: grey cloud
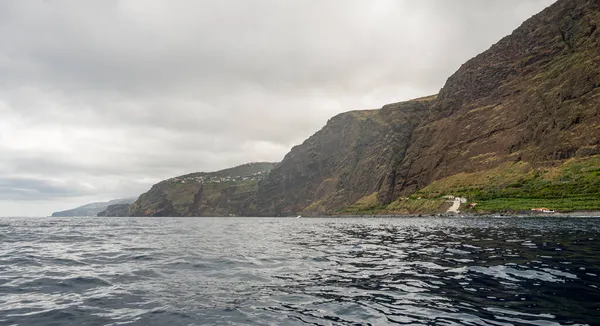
[
  {"x": 37, "y": 189},
  {"x": 120, "y": 94},
  {"x": 108, "y": 44}
]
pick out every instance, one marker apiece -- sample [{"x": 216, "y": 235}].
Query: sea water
[{"x": 317, "y": 271}]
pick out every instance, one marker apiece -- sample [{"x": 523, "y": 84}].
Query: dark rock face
[
  {"x": 354, "y": 155},
  {"x": 533, "y": 96},
  {"x": 117, "y": 210}
]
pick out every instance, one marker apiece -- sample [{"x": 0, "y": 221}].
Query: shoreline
[{"x": 576, "y": 214}]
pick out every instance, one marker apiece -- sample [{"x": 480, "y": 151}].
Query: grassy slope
[
  {"x": 369, "y": 205},
  {"x": 570, "y": 186},
  {"x": 574, "y": 185},
  {"x": 217, "y": 198}
]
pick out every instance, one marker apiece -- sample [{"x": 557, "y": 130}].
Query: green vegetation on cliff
[
  {"x": 570, "y": 185},
  {"x": 402, "y": 206},
  {"x": 573, "y": 184},
  {"x": 220, "y": 193}
]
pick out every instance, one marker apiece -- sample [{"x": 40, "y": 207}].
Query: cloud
[
  {"x": 120, "y": 94},
  {"x": 33, "y": 189}
]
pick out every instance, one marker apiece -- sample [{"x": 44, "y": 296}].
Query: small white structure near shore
[
  {"x": 456, "y": 201},
  {"x": 543, "y": 210}
]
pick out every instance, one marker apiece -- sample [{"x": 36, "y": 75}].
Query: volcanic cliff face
[
  {"x": 353, "y": 156},
  {"x": 220, "y": 193},
  {"x": 521, "y": 119},
  {"x": 533, "y": 96}
]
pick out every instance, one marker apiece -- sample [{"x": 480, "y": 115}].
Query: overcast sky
[{"x": 101, "y": 99}]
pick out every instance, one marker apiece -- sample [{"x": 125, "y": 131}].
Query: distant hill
[
  {"x": 92, "y": 209},
  {"x": 220, "y": 193}
]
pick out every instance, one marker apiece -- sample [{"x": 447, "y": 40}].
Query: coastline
[{"x": 576, "y": 214}]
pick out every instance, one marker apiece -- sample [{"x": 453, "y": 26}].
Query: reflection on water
[{"x": 299, "y": 271}]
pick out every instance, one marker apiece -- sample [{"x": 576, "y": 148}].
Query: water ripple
[{"x": 151, "y": 271}]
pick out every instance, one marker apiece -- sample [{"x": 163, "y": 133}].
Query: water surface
[{"x": 236, "y": 271}]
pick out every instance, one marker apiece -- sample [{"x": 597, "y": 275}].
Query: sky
[{"x": 100, "y": 99}]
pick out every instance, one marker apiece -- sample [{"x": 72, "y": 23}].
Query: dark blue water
[{"x": 206, "y": 271}]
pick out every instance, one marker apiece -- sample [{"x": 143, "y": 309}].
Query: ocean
[{"x": 308, "y": 271}]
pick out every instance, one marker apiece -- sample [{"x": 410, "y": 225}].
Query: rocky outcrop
[
  {"x": 531, "y": 97},
  {"x": 221, "y": 193},
  {"x": 354, "y": 155},
  {"x": 117, "y": 210}
]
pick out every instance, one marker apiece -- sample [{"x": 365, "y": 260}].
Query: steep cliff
[
  {"x": 534, "y": 97},
  {"x": 353, "y": 156},
  {"x": 528, "y": 105},
  {"x": 220, "y": 193},
  {"x": 516, "y": 126}
]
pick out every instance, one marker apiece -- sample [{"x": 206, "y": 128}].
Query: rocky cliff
[
  {"x": 534, "y": 96},
  {"x": 353, "y": 156},
  {"x": 532, "y": 99},
  {"x": 516, "y": 126},
  {"x": 221, "y": 193}
]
